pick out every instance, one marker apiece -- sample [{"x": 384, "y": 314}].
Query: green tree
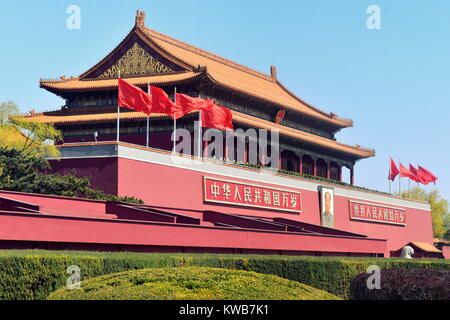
[
  {"x": 39, "y": 138},
  {"x": 7, "y": 108},
  {"x": 29, "y": 137},
  {"x": 439, "y": 208},
  {"x": 447, "y": 227},
  {"x": 24, "y": 147}
]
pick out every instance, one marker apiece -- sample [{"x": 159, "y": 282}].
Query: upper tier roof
[
  {"x": 237, "y": 77},
  {"x": 221, "y": 71}
]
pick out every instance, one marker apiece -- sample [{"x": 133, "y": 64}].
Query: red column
[
  {"x": 328, "y": 169},
  {"x": 279, "y": 162},
  {"x": 225, "y": 151},
  {"x": 205, "y": 149},
  {"x": 300, "y": 164},
  {"x": 352, "y": 176},
  {"x": 340, "y": 173},
  {"x": 315, "y": 167},
  {"x": 246, "y": 153}
]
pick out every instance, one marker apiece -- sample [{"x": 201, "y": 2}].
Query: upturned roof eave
[{"x": 57, "y": 86}]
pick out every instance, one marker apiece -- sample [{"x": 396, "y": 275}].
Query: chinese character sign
[
  {"x": 250, "y": 195},
  {"x": 377, "y": 213}
]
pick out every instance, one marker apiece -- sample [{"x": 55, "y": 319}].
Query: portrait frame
[{"x": 327, "y": 207}]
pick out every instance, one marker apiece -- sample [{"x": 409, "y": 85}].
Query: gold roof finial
[{"x": 140, "y": 19}]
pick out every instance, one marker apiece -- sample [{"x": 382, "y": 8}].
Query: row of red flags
[
  {"x": 157, "y": 101},
  {"x": 419, "y": 175}
]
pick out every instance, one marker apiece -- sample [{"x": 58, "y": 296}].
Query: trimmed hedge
[
  {"x": 190, "y": 283},
  {"x": 33, "y": 274},
  {"x": 404, "y": 284}
]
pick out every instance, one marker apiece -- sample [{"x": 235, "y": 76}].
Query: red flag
[
  {"x": 280, "y": 116},
  {"x": 161, "y": 102},
  {"x": 429, "y": 176},
  {"x": 405, "y": 173},
  {"x": 393, "y": 171},
  {"x": 133, "y": 97},
  {"x": 425, "y": 179},
  {"x": 188, "y": 104},
  {"x": 417, "y": 175},
  {"x": 217, "y": 117}
]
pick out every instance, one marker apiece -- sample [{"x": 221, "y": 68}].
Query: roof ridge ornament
[
  {"x": 202, "y": 69},
  {"x": 334, "y": 115},
  {"x": 273, "y": 73},
  {"x": 140, "y": 19}
]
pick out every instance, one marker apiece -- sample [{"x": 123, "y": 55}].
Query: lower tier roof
[{"x": 238, "y": 117}]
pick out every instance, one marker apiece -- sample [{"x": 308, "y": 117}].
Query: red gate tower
[{"x": 303, "y": 208}]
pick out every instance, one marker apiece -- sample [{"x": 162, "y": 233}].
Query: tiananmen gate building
[{"x": 207, "y": 203}]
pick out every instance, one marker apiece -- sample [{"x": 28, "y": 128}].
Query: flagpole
[
  {"x": 118, "y": 113},
  {"x": 175, "y": 122},
  {"x": 148, "y": 119},
  {"x": 409, "y": 185},
  {"x": 148, "y": 129},
  {"x": 417, "y": 190},
  {"x": 118, "y": 122},
  {"x": 200, "y": 133},
  {"x": 418, "y": 182},
  {"x": 399, "y": 178},
  {"x": 390, "y": 173}
]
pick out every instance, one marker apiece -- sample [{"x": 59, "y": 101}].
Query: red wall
[
  {"x": 56, "y": 229},
  {"x": 102, "y": 170},
  {"x": 60, "y": 205},
  {"x": 174, "y": 187},
  {"x": 160, "y": 185},
  {"x": 446, "y": 251}
]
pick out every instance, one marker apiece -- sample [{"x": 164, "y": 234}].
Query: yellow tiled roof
[
  {"x": 221, "y": 71},
  {"x": 428, "y": 247},
  {"x": 97, "y": 117},
  {"x": 240, "y": 78},
  {"x": 301, "y": 135},
  {"x": 85, "y": 84}
]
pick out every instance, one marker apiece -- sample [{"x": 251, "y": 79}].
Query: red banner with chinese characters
[
  {"x": 250, "y": 195},
  {"x": 377, "y": 213}
]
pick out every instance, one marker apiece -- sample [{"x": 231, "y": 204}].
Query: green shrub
[
  {"x": 33, "y": 274},
  {"x": 404, "y": 284},
  {"x": 190, "y": 283}
]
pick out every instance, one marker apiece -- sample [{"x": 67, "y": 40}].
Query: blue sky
[{"x": 394, "y": 82}]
